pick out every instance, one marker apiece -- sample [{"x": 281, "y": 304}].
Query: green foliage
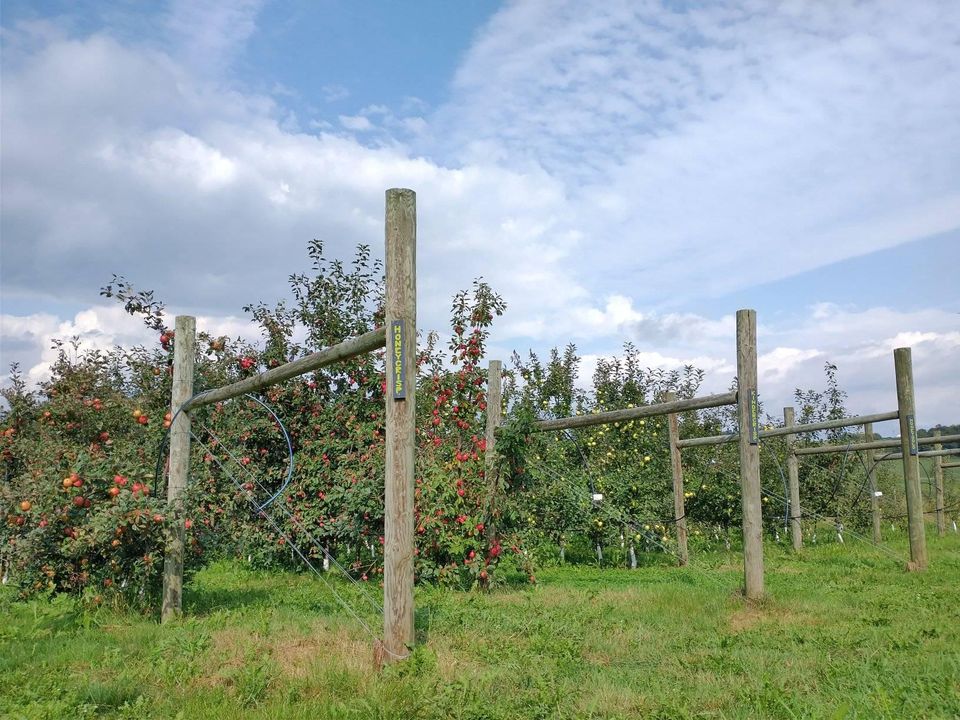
[
  {"x": 103, "y": 416},
  {"x": 601, "y": 491},
  {"x": 626, "y": 463}
]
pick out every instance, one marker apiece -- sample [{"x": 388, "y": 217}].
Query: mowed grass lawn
[{"x": 845, "y": 633}]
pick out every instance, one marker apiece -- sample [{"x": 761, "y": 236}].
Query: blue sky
[{"x": 618, "y": 171}]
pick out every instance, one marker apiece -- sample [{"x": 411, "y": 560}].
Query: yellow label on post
[
  {"x": 753, "y": 417},
  {"x": 398, "y": 376}
]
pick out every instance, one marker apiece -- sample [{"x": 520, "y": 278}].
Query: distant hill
[{"x": 944, "y": 430}]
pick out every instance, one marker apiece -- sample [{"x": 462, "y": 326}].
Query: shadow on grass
[{"x": 207, "y": 600}]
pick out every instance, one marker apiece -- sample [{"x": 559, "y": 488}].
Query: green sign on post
[
  {"x": 399, "y": 377},
  {"x": 753, "y": 419}
]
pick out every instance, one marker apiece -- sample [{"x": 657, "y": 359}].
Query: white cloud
[
  {"x": 356, "y": 123},
  {"x": 779, "y": 362},
  {"x": 334, "y": 93},
  {"x": 171, "y": 155},
  {"x": 101, "y": 175},
  {"x": 722, "y": 145},
  {"x": 97, "y": 328},
  {"x": 207, "y": 35},
  {"x": 792, "y": 352},
  {"x": 29, "y": 338}
]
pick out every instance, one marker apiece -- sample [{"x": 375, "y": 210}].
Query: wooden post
[
  {"x": 494, "y": 400},
  {"x": 938, "y": 484},
  {"x": 903, "y": 366},
  {"x": 793, "y": 481},
  {"x": 401, "y": 366},
  {"x": 184, "y": 348},
  {"x": 748, "y": 414},
  {"x": 871, "y": 466},
  {"x": 676, "y": 465}
]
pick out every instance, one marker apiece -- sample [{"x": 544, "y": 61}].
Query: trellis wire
[
  {"x": 290, "y": 516},
  {"x": 262, "y": 513},
  {"x": 810, "y": 513}
]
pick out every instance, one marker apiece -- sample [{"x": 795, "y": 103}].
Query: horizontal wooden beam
[
  {"x": 825, "y": 449},
  {"x": 951, "y": 465},
  {"x": 830, "y": 424},
  {"x": 711, "y": 440},
  {"x": 941, "y": 439},
  {"x": 922, "y": 453},
  {"x": 733, "y": 437},
  {"x": 351, "y": 348},
  {"x": 644, "y": 411}
]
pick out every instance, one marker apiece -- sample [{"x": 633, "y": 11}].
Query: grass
[{"x": 844, "y": 633}]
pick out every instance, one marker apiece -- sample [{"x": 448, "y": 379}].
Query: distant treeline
[{"x": 944, "y": 430}]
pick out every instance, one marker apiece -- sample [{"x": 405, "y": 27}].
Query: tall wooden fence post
[
  {"x": 793, "y": 481},
  {"x": 938, "y": 483},
  {"x": 401, "y": 366},
  {"x": 676, "y": 466},
  {"x": 871, "y": 466},
  {"x": 903, "y": 366},
  {"x": 491, "y": 472},
  {"x": 748, "y": 414},
  {"x": 184, "y": 348}
]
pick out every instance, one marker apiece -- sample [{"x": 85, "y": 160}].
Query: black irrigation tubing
[
  {"x": 930, "y": 483},
  {"x": 787, "y": 510},
  {"x": 158, "y": 487},
  {"x": 843, "y": 468},
  {"x": 948, "y": 508},
  {"x": 810, "y": 513}
]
